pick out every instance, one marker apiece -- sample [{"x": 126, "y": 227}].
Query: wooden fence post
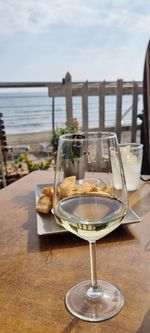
[
  {"x": 118, "y": 108},
  {"x": 134, "y": 112},
  {"x": 85, "y": 116},
  {"x": 68, "y": 90},
  {"x": 102, "y": 106},
  {"x": 53, "y": 113}
]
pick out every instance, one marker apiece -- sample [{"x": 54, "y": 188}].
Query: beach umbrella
[{"x": 145, "y": 130}]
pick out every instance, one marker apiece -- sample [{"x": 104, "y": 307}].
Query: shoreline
[{"x": 35, "y": 139}]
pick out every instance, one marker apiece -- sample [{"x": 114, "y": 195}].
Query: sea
[{"x": 31, "y": 112}]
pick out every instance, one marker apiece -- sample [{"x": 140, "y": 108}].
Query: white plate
[{"x": 46, "y": 223}]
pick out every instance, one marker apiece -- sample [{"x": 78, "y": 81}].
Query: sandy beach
[
  {"x": 32, "y": 139},
  {"x": 35, "y": 139},
  {"x": 37, "y": 152}
]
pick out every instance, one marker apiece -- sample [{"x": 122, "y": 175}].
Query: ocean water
[{"x": 28, "y": 112}]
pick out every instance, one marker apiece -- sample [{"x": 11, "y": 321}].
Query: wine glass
[{"x": 87, "y": 204}]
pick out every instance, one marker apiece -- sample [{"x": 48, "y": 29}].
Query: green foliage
[
  {"x": 55, "y": 137},
  {"x": 17, "y": 164},
  {"x": 71, "y": 128},
  {"x": 32, "y": 166},
  {"x": 43, "y": 165}
]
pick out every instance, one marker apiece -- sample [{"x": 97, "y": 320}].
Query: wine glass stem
[
  {"x": 94, "y": 291},
  {"x": 93, "y": 264}
]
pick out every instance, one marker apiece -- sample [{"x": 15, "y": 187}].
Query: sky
[{"x": 94, "y": 40}]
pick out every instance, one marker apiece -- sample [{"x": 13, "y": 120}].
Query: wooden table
[{"x": 37, "y": 271}]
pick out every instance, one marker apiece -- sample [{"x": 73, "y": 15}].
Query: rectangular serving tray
[{"x": 46, "y": 223}]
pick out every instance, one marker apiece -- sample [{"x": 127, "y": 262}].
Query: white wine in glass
[{"x": 87, "y": 204}]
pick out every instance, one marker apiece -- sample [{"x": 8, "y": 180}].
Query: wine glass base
[{"x": 101, "y": 305}]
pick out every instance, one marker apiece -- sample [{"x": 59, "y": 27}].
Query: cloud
[{"x": 36, "y": 16}]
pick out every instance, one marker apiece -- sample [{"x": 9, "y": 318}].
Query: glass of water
[{"x": 132, "y": 154}]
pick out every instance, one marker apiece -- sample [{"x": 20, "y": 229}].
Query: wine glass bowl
[{"x": 87, "y": 204}]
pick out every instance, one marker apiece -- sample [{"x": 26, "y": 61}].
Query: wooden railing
[{"x": 69, "y": 89}]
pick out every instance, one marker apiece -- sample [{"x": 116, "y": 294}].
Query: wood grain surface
[{"x": 37, "y": 271}]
